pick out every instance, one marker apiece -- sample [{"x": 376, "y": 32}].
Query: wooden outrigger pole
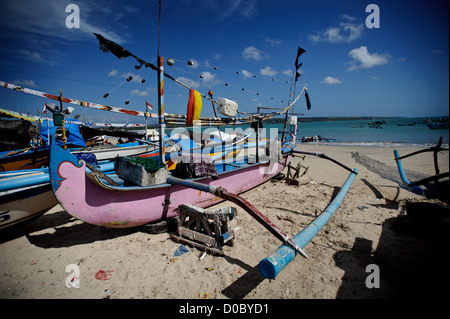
[
  {"x": 162, "y": 122},
  {"x": 249, "y": 208}
]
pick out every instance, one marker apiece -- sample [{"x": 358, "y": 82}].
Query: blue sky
[{"x": 398, "y": 69}]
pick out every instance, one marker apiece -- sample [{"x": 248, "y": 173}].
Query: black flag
[
  {"x": 308, "y": 103},
  {"x": 299, "y": 52},
  {"x": 119, "y": 51},
  {"x": 110, "y": 46}
]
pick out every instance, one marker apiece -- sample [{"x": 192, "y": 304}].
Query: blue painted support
[
  {"x": 272, "y": 265},
  {"x": 416, "y": 189}
]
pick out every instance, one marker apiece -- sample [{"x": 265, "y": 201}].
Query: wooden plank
[
  {"x": 211, "y": 241},
  {"x": 213, "y": 251}
]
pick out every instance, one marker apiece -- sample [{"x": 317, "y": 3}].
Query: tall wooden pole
[
  {"x": 162, "y": 121},
  {"x": 62, "y": 112}
]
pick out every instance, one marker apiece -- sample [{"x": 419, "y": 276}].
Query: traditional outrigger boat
[
  {"x": 25, "y": 194},
  {"x": 38, "y": 156},
  {"x": 107, "y": 200},
  {"x": 440, "y": 180}
]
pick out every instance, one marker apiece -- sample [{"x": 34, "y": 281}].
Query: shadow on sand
[
  {"x": 412, "y": 256},
  {"x": 62, "y": 232}
]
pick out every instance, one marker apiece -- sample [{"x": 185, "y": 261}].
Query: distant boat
[
  {"x": 317, "y": 138},
  {"x": 376, "y": 124},
  {"x": 356, "y": 126},
  {"x": 437, "y": 125},
  {"x": 406, "y": 124}
]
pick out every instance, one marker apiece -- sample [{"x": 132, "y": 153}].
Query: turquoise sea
[
  {"x": 390, "y": 134},
  {"x": 358, "y": 132}
]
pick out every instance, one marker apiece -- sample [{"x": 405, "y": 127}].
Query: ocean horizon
[
  {"x": 410, "y": 132},
  {"x": 394, "y": 132}
]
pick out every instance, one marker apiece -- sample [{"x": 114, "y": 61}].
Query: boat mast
[
  {"x": 63, "y": 121},
  {"x": 162, "y": 122}
]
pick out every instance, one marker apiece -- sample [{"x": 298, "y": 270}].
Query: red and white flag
[{"x": 148, "y": 105}]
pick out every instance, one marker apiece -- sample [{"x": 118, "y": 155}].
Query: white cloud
[
  {"x": 362, "y": 59},
  {"x": 246, "y": 74},
  {"x": 347, "y": 30},
  {"x": 252, "y": 53},
  {"x": 288, "y": 72},
  {"x": 209, "y": 78},
  {"x": 273, "y": 42},
  {"x": 331, "y": 80},
  {"x": 113, "y": 73},
  {"x": 189, "y": 82},
  {"x": 39, "y": 20},
  {"x": 140, "y": 93},
  {"x": 268, "y": 71}
]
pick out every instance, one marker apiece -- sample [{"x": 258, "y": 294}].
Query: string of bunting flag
[{"x": 194, "y": 104}]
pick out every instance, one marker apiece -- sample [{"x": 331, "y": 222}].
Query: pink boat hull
[{"x": 129, "y": 207}]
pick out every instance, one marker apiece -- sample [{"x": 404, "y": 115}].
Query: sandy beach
[{"x": 368, "y": 229}]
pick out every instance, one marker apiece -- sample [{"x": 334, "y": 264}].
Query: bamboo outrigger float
[{"x": 272, "y": 265}]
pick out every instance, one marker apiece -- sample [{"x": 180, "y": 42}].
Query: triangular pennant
[{"x": 300, "y": 51}]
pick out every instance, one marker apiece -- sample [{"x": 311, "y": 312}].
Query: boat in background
[
  {"x": 317, "y": 138},
  {"x": 28, "y": 158},
  {"x": 440, "y": 124},
  {"x": 376, "y": 124},
  {"x": 24, "y": 195}
]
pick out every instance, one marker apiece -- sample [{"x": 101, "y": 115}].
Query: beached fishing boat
[
  {"x": 118, "y": 201},
  {"x": 95, "y": 201},
  {"x": 36, "y": 157},
  {"x": 27, "y": 158},
  {"x": 23, "y": 195},
  {"x": 124, "y": 149},
  {"x": 111, "y": 203},
  {"x": 439, "y": 181}
]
